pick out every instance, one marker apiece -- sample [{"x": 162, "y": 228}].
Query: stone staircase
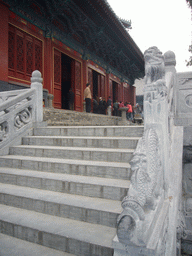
[{"x": 61, "y": 190}]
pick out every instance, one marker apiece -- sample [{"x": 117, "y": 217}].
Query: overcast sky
[{"x": 164, "y": 23}]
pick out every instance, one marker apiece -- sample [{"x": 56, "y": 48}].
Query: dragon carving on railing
[{"x": 146, "y": 195}]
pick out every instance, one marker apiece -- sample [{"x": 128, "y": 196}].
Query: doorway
[
  {"x": 115, "y": 91},
  {"x": 66, "y": 67}
]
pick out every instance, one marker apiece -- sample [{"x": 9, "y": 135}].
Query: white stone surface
[
  {"x": 57, "y": 230},
  {"x": 11, "y": 246},
  {"x": 146, "y": 226},
  {"x": 183, "y": 94},
  {"x": 36, "y": 83}
]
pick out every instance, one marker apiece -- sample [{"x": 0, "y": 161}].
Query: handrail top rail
[
  {"x": 13, "y": 92},
  {"x": 10, "y": 102}
]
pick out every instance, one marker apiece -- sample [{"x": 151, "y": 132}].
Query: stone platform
[{"x": 67, "y": 118}]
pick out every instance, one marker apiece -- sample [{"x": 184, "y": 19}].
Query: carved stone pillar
[
  {"x": 142, "y": 225},
  {"x": 36, "y": 83},
  {"x": 50, "y": 100},
  {"x": 123, "y": 114}
]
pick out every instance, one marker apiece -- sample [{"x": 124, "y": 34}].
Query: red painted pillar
[
  {"x": 48, "y": 66},
  {"x": 133, "y": 95},
  {"x": 107, "y": 86},
  {"x": 84, "y": 81},
  {"x": 4, "y": 16}
]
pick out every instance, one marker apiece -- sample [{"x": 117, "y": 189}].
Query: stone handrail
[
  {"x": 19, "y": 111},
  {"x": 13, "y": 100},
  {"x": 148, "y": 222}
]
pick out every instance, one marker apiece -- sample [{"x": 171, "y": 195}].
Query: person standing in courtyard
[
  {"x": 130, "y": 110},
  {"x": 87, "y": 96},
  {"x": 109, "y": 106},
  {"x": 116, "y": 108},
  {"x": 70, "y": 97}
]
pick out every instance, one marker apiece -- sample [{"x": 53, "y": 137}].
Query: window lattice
[
  {"x": 29, "y": 57},
  {"x": 78, "y": 75},
  {"x": 11, "y": 50},
  {"x": 57, "y": 68},
  {"x": 25, "y": 54},
  {"x": 20, "y": 54},
  {"x": 38, "y": 57}
]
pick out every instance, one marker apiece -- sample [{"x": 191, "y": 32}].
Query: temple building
[{"x": 71, "y": 42}]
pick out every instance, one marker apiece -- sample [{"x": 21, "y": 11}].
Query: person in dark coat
[
  {"x": 100, "y": 108},
  {"x": 95, "y": 106},
  {"x": 116, "y": 108},
  {"x": 104, "y": 106},
  {"x": 70, "y": 97}
]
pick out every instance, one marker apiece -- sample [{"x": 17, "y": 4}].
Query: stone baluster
[
  {"x": 50, "y": 100},
  {"x": 123, "y": 114},
  {"x": 36, "y": 83}
]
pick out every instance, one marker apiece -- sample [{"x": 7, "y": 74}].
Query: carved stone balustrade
[
  {"x": 148, "y": 222},
  {"x": 19, "y": 110},
  {"x": 123, "y": 114}
]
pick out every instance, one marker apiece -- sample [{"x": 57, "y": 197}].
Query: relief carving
[
  {"x": 146, "y": 186},
  {"x": 188, "y": 100},
  {"x": 3, "y": 131},
  {"x": 146, "y": 192},
  {"x": 23, "y": 118},
  {"x": 154, "y": 65}
]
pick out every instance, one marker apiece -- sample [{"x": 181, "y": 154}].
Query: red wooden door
[
  {"x": 57, "y": 79},
  {"x": 24, "y": 54},
  {"x": 111, "y": 88},
  {"x": 76, "y": 84}
]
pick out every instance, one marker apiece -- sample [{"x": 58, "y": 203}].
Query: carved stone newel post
[
  {"x": 142, "y": 225},
  {"x": 36, "y": 83}
]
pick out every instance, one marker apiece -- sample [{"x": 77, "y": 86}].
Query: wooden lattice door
[
  {"x": 57, "y": 79},
  {"x": 24, "y": 54},
  {"x": 76, "y": 84}
]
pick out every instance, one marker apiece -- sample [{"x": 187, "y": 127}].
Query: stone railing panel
[
  {"x": 183, "y": 94},
  {"x": 19, "y": 110}
]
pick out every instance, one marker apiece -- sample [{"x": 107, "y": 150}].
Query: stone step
[
  {"x": 95, "y": 154},
  {"x": 11, "y": 246},
  {"x": 72, "y": 184},
  {"x": 69, "y": 166},
  {"x": 92, "y": 210},
  {"x": 110, "y": 131},
  {"x": 86, "y": 141},
  {"x": 72, "y": 236}
]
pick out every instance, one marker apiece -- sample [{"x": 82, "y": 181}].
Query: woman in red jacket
[{"x": 129, "y": 111}]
